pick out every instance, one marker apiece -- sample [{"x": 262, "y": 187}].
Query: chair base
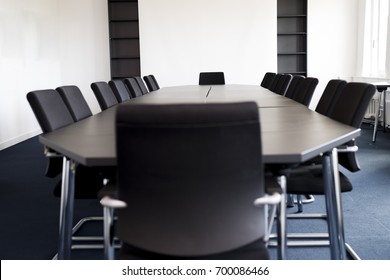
[
  {"x": 87, "y": 242},
  {"x": 311, "y": 240}
]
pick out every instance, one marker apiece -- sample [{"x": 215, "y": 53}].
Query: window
[{"x": 375, "y": 52}]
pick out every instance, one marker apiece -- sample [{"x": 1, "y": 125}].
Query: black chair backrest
[
  {"x": 305, "y": 90},
  {"x": 196, "y": 207},
  {"x": 329, "y": 96},
  {"x": 104, "y": 95},
  {"x": 282, "y": 84},
  {"x": 133, "y": 87},
  {"x": 275, "y": 82},
  {"x": 151, "y": 83},
  {"x": 75, "y": 101},
  {"x": 51, "y": 113},
  {"x": 120, "y": 90},
  {"x": 296, "y": 79},
  {"x": 211, "y": 78},
  {"x": 49, "y": 109},
  {"x": 141, "y": 85},
  {"x": 352, "y": 103},
  {"x": 350, "y": 108},
  {"x": 267, "y": 80},
  {"x": 155, "y": 81}
]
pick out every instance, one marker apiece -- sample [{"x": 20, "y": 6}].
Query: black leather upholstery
[
  {"x": 291, "y": 90},
  {"x": 49, "y": 109},
  {"x": 305, "y": 90},
  {"x": 133, "y": 87},
  {"x": 267, "y": 80},
  {"x": 151, "y": 83},
  {"x": 189, "y": 175},
  {"x": 104, "y": 95},
  {"x": 155, "y": 81},
  {"x": 75, "y": 101},
  {"x": 275, "y": 82},
  {"x": 329, "y": 96},
  {"x": 211, "y": 78},
  {"x": 283, "y": 82},
  {"x": 120, "y": 90},
  {"x": 141, "y": 84}
]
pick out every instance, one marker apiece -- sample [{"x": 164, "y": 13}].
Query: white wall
[
  {"x": 179, "y": 39},
  {"x": 46, "y": 44},
  {"x": 332, "y": 41}
]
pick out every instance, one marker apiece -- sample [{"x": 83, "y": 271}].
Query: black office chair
[
  {"x": 155, "y": 81},
  {"x": 267, "y": 80},
  {"x": 305, "y": 90},
  {"x": 291, "y": 89},
  {"x": 282, "y": 84},
  {"x": 275, "y": 81},
  {"x": 203, "y": 208},
  {"x": 151, "y": 83},
  {"x": 104, "y": 95},
  {"x": 141, "y": 84},
  {"x": 211, "y": 78},
  {"x": 133, "y": 87},
  {"x": 52, "y": 113},
  {"x": 329, "y": 96},
  {"x": 120, "y": 90},
  {"x": 324, "y": 107},
  {"x": 75, "y": 102},
  {"x": 349, "y": 108}
]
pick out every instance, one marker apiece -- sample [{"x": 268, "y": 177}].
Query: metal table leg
[
  {"x": 282, "y": 214},
  {"x": 382, "y": 97},
  {"x": 384, "y": 109},
  {"x": 66, "y": 209},
  {"x": 333, "y": 205}
]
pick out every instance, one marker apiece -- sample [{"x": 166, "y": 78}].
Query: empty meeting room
[{"x": 63, "y": 190}]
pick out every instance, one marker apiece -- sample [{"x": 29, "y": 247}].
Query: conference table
[{"x": 291, "y": 134}]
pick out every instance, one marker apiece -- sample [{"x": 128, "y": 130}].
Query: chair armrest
[
  {"x": 347, "y": 149},
  {"x": 273, "y": 199},
  {"x": 109, "y": 202},
  {"x": 50, "y": 153}
]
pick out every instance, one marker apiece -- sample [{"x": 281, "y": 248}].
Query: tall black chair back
[
  {"x": 267, "y": 80},
  {"x": 120, "y": 90},
  {"x": 133, "y": 87},
  {"x": 211, "y": 78},
  {"x": 51, "y": 113},
  {"x": 295, "y": 81},
  {"x": 352, "y": 103},
  {"x": 75, "y": 101},
  {"x": 104, "y": 95},
  {"x": 305, "y": 90},
  {"x": 49, "y": 109},
  {"x": 151, "y": 83},
  {"x": 329, "y": 96},
  {"x": 175, "y": 204},
  {"x": 141, "y": 85},
  {"x": 283, "y": 82},
  {"x": 155, "y": 81}
]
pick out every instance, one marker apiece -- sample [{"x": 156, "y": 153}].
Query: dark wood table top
[{"x": 291, "y": 132}]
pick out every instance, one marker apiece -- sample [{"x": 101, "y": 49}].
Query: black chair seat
[{"x": 309, "y": 180}]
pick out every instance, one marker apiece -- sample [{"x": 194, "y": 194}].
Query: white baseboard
[{"x": 16, "y": 140}]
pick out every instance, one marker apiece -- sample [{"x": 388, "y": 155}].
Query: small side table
[{"x": 382, "y": 89}]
